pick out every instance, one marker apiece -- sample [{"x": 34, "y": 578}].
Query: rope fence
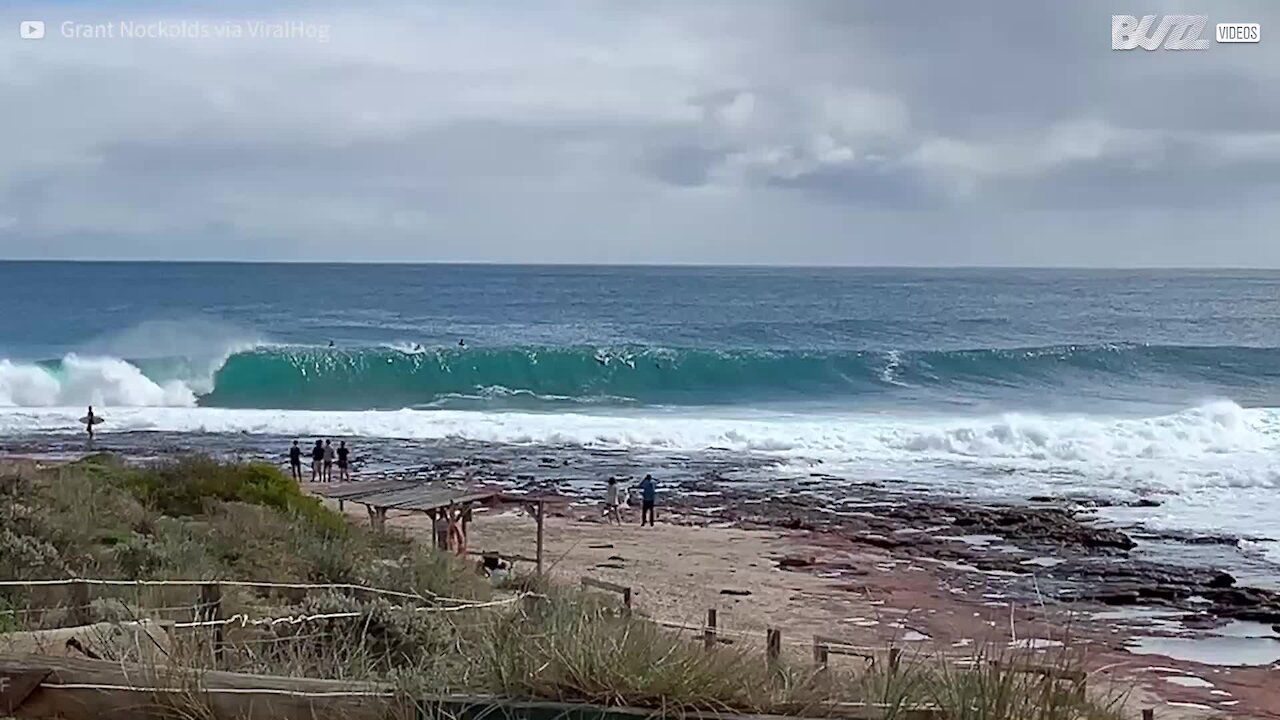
[
  {"x": 207, "y": 615},
  {"x": 205, "y": 612},
  {"x": 66, "y": 582}
]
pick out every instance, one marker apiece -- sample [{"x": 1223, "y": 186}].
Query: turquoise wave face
[{"x": 339, "y": 378}]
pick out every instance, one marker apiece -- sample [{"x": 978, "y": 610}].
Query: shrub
[
  {"x": 186, "y": 486},
  {"x": 381, "y": 638}
]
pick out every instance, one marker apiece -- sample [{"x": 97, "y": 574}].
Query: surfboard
[{"x": 97, "y": 419}]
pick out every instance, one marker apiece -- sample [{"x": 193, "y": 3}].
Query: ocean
[{"x": 1121, "y": 385}]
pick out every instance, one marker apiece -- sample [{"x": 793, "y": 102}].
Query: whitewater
[
  {"x": 1162, "y": 387},
  {"x": 1211, "y": 467}
]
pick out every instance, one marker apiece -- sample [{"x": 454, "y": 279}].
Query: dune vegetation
[{"x": 438, "y": 626}]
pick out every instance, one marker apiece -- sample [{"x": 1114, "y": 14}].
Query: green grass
[{"x": 197, "y": 518}]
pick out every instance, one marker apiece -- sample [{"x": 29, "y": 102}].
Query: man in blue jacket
[{"x": 648, "y": 498}]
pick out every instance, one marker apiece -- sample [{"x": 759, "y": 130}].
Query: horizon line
[{"x": 744, "y": 265}]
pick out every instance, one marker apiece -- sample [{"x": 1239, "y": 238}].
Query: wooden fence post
[
  {"x": 540, "y": 517},
  {"x": 895, "y": 659},
  {"x": 773, "y": 646},
  {"x": 709, "y": 632},
  {"x": 622, "y": 590},
  {"x": 1149, "y": 714},
  {"x": 819, "y": 652},
  {"x": 211, "y": 611},
  {"x": 80, "y": 604}
]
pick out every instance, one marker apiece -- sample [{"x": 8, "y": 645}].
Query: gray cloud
[{"x": 813, "y": 131}]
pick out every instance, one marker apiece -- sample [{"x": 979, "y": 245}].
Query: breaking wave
[{"x": 414, "y": 377}]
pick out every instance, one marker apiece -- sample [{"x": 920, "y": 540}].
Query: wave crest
[
  {"x": 78, "y": 381},
  {"x": 397, "y": 377}
]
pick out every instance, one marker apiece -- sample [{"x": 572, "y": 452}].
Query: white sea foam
[
  {"x": 81, "y": 381},
  {"x": 1213, "y": 467},
  {"x": 182, "y": 358},
  {"x": 1216, "y": 443}
]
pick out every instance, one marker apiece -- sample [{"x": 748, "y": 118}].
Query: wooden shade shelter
[{"x": 449, "y": 508}]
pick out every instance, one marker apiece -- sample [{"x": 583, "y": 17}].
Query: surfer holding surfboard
[{"x": 89, "y": 421}]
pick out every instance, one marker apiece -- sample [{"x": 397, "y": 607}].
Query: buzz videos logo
[{"x": 1176, "y": 32}]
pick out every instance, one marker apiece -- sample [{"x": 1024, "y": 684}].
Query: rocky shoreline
[
  {"x": 1046, "y": 549},
  {"x": 1042, "y": 549}
]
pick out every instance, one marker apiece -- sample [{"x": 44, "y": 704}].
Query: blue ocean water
[
  {"x": 1133, "y": 383},
  {"x": 257, "y": 336}
]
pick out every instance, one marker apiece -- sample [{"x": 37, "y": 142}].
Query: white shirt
[{"x": 611, "y": 494}]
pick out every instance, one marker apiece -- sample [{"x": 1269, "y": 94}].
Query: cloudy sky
[{"x": 824, "y": 132}]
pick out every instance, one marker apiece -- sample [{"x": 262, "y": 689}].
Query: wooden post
[
  {"x": 539, "y": 518},
  {"x": 1149, "y": 714},
  {"x": 211, "y": 611},
  {"x": 773, "y": 646},
  {"x": 80, "y": 604},
  {"x": 819, "y": 652},
  {"x": 895, "y": 659},
  {"x": 709, "y": 632},
  {"x": 625, "y": 592}
]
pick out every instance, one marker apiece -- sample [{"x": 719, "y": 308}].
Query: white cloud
[{"x": 574, "y": 130}]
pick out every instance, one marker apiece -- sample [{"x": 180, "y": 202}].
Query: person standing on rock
[
  {"x": 317, "y": 462},
  {"x": 295, "y": 461},
  {"x": 329, "y": 457},
  {"x": 344, "y": 462},
  {"x": 648, "y": 498}
]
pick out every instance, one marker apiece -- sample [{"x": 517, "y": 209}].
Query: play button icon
[{"x": 31, "y": 29}]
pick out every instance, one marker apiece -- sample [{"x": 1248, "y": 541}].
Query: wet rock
[
  {"x": 796, "y": 524},
  {"x": 1167, "y": 593},
  {"x": 1048, "y": 525},
  {"x": 1221, "y": 580},
  {"x": 1241, "y": 596},
  {"x": 1266, "y": 615},
  {"x": 879, "y": 541},
  {"x": 1187, "y": 538},
  {"x": 1113, "y": 596},
  {"x": 792, "y": 562},
  {"x": 1199, "y": 621}
]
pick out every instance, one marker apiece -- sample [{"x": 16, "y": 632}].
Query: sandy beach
[{"x": 806, "y": 583}]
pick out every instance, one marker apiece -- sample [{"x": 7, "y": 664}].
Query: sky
[{"x": 812, "y": 132}]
